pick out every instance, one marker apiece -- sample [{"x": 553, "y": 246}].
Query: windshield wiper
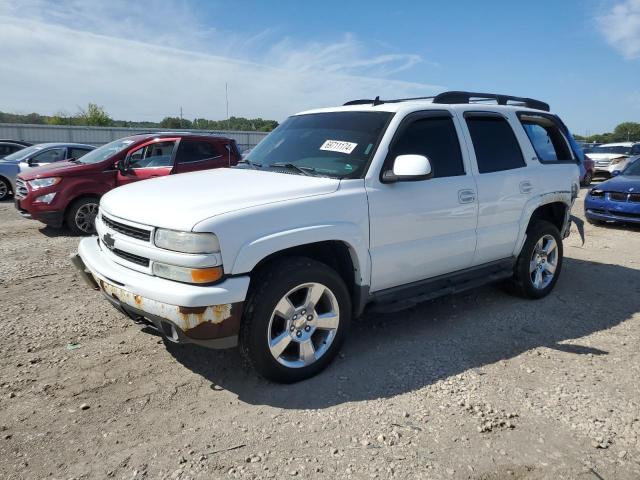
[
  {"x": 253, "y": 164},
  {"x": 308, "y": 171}
]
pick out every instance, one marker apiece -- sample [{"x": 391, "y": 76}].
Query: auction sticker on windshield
[{"x": 338, "y": 146}]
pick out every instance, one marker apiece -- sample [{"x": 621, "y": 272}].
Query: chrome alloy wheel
[
  {"x": 544, "y": 262},
  {"x": 4, "y": 190},
  {"x": 86, "y": 217},
  {"x": 303, "y": 325}
]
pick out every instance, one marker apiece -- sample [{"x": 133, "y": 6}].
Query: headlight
[
  {"x": 596, "y": 193},
  {"x": 187, "y": 242},
  {"x": 44, "y": 182},
  {"x": 616, "y": 161},
  {"x": 187, "y": 275},
  {"x": 48, "y": 198}
]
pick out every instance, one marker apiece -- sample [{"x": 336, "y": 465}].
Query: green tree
[
  {"x": 175, "y": 122},
  {"x": 627, "y": 131},
  {"x": 95, "y": 116}
]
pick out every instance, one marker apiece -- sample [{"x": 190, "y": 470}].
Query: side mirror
[
  {"x": 121, "y": 167},
  {"x": 615, "y": 173},
  {"x": 30, "y": 162},
  {"x": 408, "y": 168}
]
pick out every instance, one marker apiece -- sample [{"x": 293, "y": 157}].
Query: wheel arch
[{"x": 554, "y": 208}]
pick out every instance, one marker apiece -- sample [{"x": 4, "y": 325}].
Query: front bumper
[
  {"x": 53, "y": 218},
  {"x": 205, "y": 315},
  {"x": 612, "y": 211}
]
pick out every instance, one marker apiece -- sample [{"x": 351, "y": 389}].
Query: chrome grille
[
  {"x": 128, "y": 230},
  {"x": 21, "y": 189}
]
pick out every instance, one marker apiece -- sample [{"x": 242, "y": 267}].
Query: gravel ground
[{"x": 479, "y": 385}]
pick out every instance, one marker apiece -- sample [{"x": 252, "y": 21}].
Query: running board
[{"x": 406, "y": 296}]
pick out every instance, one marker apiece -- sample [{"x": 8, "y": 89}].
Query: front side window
[
  {"x": 157, "y": 154},
  {"x": 332, "y": 144},
  {"x": 496, "y": 146},
  {"x": 635, "y": 150},
  {"x": 196, "y": 151},
  {"x": 436, "y": 139},
  {"x": 49, "y": 156},
  {"x": 547, "y": 140}
]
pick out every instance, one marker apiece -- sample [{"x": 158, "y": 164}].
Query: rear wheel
[
  {"x": 539, "y": 263},
  {"x": 295, "y": 320},
  {"x": 81, "y": 216},
  {"x": 5, "y": 188}
]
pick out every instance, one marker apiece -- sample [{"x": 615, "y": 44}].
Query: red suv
[{"x": 69, "y": 192}]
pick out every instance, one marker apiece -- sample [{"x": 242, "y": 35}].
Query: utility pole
[
  {"x": 180, "y": 116},
  {"x": 226, "y": 93}
]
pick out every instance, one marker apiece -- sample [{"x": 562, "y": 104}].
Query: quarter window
[
  {"x": 495, "y": 144},
  {"x": 195, "y": 151},
  {"x": 436, "y": 139},
  {"x": 77, "y": 152},
  {"x": 547, "y": 140}
]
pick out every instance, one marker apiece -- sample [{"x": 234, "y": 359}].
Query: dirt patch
[{"x": 480, "y": 385}]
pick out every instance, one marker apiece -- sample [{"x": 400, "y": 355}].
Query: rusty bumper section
[{"x": 214, "y": 326}]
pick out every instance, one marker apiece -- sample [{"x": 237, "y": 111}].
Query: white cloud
[
  {"x": 621, "y": 27},
  {"x": 143, "y": 63}
]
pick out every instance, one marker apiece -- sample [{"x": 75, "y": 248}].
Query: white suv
[{"x": 375, "y": 203}]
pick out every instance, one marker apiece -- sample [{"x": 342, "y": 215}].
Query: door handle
[
  {"x": 466, "y": 196},
  {"x": 526, "y": 187}
]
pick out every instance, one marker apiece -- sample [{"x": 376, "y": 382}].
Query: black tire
[
  {"x": 588, "y": 178},
  {"x": 5, "y": 189},
  {"x": 73, "y": 220},
  {"x": 269, "y": 287},
  {"x": 522, "y": 282}
]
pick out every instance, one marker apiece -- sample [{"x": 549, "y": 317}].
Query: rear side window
[
  {"x": 77, "y": 152},
  {"x": 495, "y": 144},
  {"x": 436, "y": 139},
  {"x": 547, "y": 139},
  {"x": 195, "y": 151}
]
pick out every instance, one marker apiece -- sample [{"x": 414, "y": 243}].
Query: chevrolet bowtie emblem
[{"x": 108, "y": 241}]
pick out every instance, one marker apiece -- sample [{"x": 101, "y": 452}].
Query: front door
[
  {"x": 426, "y": 228},
  {"x": 152, "y": 159}
]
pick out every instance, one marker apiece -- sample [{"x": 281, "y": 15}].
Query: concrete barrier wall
[{"x": 101, "y": 135}]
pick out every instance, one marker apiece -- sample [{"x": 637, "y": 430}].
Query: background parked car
[
  {"x": 34, "y": 156},
  {"x": 69, "y": 192},
  {"x": 617, "y": 199},
  {"x": 613, "y": 156},
  {"x": 7, "y": 147},
  {"x": 586, "y": 164}
]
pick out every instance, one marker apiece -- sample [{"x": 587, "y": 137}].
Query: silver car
[{"x": 35, "y": 156}]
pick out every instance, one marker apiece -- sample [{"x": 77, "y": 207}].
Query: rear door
[
  {"x": 152, "y": 159},
  {"x": 200, "y": 154},
  {"x": 505, "y": 184}
]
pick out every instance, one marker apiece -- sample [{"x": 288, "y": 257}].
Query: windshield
[
  {"x": 620, "y": 149},
  {"x": 633, "y": 169},
  {"x": 334, "y": 144},
  {"x": 105, "y": 151},
  {"x": 25, "y": 152}
]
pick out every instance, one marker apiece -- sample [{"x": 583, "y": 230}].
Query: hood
[
  {"x": 621, "y": 183},
  {"x": 179, "y": 202},
  {"x": 10, "y": 162},
  {"x": 60, "y": 169},
  {"x": 605, "y": 156}
]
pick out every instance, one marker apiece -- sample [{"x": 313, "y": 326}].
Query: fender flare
[
  {"x": 533, "y": 204},
  {"x": 254, "y": 251}
]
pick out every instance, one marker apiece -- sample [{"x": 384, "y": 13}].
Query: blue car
[{"x": 617, "y": 199}]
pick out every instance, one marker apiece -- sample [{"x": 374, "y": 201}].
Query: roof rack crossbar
[{"x": 468, "y": 97}]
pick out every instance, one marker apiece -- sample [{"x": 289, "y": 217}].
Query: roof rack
[
  {"x": 463, "y": 97},
  {"x": 473, "y": 97}
]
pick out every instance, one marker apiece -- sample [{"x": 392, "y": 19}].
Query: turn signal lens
[{"x": 206, "y": 275}]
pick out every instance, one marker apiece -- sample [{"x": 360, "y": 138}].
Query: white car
[
  {"x": 613, "y": 156},
  {"x": 374, "y": 204}
]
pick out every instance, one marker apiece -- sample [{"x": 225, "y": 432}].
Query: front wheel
[
  {"x": 5, "y": 188},
  {"x": 539, "y": 263},
  {"x": 296, "y": 319},
  {"x": 81, "y": 216}
]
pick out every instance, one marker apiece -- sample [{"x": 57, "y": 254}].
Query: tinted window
[
  {"x": 77, "y": 152},
  {"x": 157, "y": 154},
  {"x": 635, "y": 150},
  {"x": 8, "y": 149},
  {"x": 49, "y": 156},
  {"x": 195, "y": 150},
  {"x": 495, "y": 144},
  {"x": 436, "y": 139},
  {"x": 547, "y": 140}
]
